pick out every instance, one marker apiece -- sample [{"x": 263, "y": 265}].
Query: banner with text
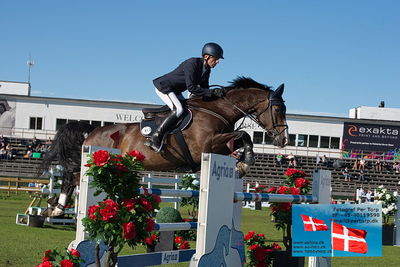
[
  {"x": 342, "y": 230},
  {"x": 370, "y": 137}
]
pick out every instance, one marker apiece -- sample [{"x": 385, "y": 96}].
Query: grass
[{"x": 23, "y": 246}]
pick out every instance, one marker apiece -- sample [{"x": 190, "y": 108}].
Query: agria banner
[{"x": 370, "y": 137}]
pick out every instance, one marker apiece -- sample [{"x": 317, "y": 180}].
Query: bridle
[{"x": 277, "y": 101}]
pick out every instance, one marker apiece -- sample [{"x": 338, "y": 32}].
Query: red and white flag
[
  {"x": 312, "y": 224},
  {"x": 349, "y": 239}
]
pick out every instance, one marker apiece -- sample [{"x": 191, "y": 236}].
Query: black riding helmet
[{"x": 213, "y": 49}]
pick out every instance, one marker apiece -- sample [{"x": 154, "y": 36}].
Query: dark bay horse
[{"x": 210, "y": 131}]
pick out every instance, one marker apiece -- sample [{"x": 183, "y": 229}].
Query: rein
[
  {"x": 272, "y": 131},
  {"x": 225, "y": 121}
]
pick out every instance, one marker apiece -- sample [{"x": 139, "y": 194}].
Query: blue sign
[{"x": 342, "y": 230}]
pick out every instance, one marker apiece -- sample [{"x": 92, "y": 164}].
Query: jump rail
[{"x": 219, "y": 240}]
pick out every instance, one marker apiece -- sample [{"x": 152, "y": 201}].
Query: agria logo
[{"x": 381, "y": 130}]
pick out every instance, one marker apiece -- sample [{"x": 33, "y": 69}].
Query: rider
[{"x": 192, "y": 75}]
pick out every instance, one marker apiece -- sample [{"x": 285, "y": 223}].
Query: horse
[{"x": 211, "y": 130}]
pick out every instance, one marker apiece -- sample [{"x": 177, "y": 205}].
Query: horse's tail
[{"x": 66, "y": 146}]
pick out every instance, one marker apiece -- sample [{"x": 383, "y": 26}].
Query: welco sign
[{"x": 370, "y": 137}]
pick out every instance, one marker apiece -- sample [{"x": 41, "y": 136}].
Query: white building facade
[{"x": 25, "y": 116}]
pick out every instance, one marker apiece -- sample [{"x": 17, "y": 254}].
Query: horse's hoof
[
  {"x": 242, "y": 168},
  {"x": 57, "y": 212}
]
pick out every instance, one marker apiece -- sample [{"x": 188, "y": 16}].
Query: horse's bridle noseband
[{"x": 271, "y": 101}]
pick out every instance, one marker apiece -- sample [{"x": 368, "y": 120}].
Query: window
[
  {"x": 106, "y": 123},
  {"x": 96, "y": 123},
  {"x": 302, "y": 140},
  {"x": 258, "y": 137},
  {"x": 324, "y": 142},
  {"x": 35, "y": 123},
  {"x": 313, "y": 141},
  {"x": 335, "y": 142},
  {"x": 60, "y": 122},
  {"x": 85, "y": 121},
  {"x": 292, "y": 140}
]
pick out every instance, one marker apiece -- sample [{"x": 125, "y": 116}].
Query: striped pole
[
  {"x": 161, "y": 227},
  {"x": 238, "y": 196}
]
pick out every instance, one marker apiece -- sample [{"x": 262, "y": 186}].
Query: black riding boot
[{"x": 157, "y": 137}]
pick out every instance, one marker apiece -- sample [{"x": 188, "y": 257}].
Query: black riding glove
[{"x": 219, "y": 92}]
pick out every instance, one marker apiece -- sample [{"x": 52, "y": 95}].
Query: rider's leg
[{"x": 175, "y": 105}]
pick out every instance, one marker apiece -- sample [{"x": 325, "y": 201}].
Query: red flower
[
  {"x": 101, "y": 157},
  {"x": 253, "y": 247},
  {"x": 75, "y": 252},
  {"x": 249, "y": 236},
  {"x": 66, "y": 263},
  {"x": 129, "y": 203},
  {"x": 121, "y": 167},
  {"x": 260, "y": 235},
  {"x": 290, "y": 172},
  {"x": 272, "y": 189},
  {"x": 184, "y": 245},
  {"x": 285, "y": 206},
  {"x": 301, "y": 182},
  {"x": 149, "y": 241},
  {"x": 45, "y": 264},
  {"x": 282, "y": 190},
  {"x": 150, "y": 225},
  {"x": 294, "y": 191},
  {"x": 260, "y": 254},
  {"x": 276, "y": 246},
  {"x": 91, "y": 211},
  {"x": 118, "y": 158},
  {"x": 146, "y": 204},
  {"x": 88, "y": 165},
  {"x": 178, "y": 239},
  {"x": 129, "y": 230},
  {"x": 156, "y": 198},
  {"x": 154, "y": 237},
  {"x": 261, "y": 264},
  {"x": 136, "y": 154},
  {"x": 110, "y": 211}
]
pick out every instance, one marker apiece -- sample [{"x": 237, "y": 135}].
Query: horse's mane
[{"x": 246, "y": 82}]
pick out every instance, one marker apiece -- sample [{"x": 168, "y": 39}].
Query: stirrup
[{"x": 150, "y": 144}]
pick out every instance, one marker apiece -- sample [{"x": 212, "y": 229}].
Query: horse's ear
[{"x": 278, "y": 92}]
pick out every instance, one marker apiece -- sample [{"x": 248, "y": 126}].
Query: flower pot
[
  {"x": 387, "y": 234},
  {"x": 285, "y": 259}
]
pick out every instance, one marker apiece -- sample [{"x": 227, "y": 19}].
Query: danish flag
[
  {"x": 349, "y": 239},
  {"x": 312, "y": 224}
]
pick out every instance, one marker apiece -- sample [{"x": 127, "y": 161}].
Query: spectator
[
  {"x": 355, "y": 165},
  {"x": 346, "y": 175},
  {"x": 3, "y": 139},
  {"x": 361, "y": 165},
  {"x": 292, "y": 160},
  {"x": 325, "y": 161},
  {"x": 396, "y": 166},
  {"x": 362, "y": 176},
  {"x": 9, "y": 152},
  {"x": 378, "y": 166},
  {"x": 279, "y": 159},
  {"x": 29, "y": 151},
  {"x": 3, "y": 152}
]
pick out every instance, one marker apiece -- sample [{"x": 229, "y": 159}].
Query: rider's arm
[{"x": 192, "y": 83}]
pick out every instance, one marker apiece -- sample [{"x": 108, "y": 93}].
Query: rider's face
[{"x": 211, "y": 61}]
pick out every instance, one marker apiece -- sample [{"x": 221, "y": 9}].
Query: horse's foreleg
[{"x": 228, "y": 142}]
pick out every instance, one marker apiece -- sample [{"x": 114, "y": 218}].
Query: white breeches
[{"x": 172, "y": 101}]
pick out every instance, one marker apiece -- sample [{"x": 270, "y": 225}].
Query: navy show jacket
[{"x": 189, "y": 75}]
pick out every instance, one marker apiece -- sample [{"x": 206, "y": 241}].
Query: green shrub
[{"x": 168, "y": 215}]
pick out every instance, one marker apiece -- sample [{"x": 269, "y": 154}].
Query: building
[{"x": 367, "y": 130}]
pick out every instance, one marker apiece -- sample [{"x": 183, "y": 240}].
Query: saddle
[{"x": 153, "y": 117}]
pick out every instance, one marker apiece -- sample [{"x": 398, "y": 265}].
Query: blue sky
[{"x": 331, "y": 55}]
